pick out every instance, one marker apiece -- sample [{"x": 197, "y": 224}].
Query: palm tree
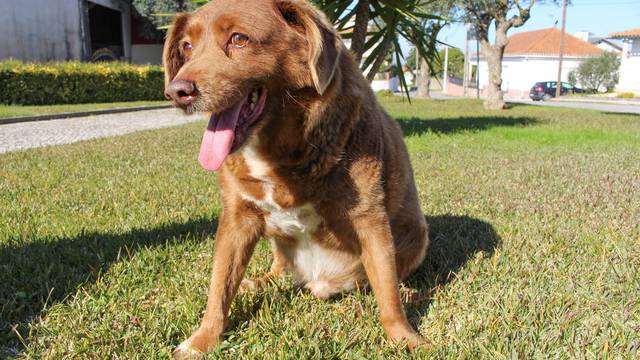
[{"x": 375, "y": 28}]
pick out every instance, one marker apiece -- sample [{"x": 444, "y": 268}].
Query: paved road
[
  {"x": 617, "y": 108},
  {"x": 27, "y": 135}
]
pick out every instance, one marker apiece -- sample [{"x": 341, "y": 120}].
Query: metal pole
[
  {"x": 564, "y": 26},
  {"x": 465, "y": 85},
  {"x": 446, "y": 69},
  {"x": 477, "y": 68}
]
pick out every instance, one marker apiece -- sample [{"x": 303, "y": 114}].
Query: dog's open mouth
[{"x": 228, "y": 130}]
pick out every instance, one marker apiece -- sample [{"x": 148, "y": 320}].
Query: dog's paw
[
  {"x": 185, "y": 352},
  {"x": 409, "y": 338},
  {"x": 201, "y": 341},
  {"x": 250, "y": 285},
  {"x": 256, "y": 284}
]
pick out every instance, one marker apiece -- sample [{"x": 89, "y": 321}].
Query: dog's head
[{"x": 235, "y": 57}]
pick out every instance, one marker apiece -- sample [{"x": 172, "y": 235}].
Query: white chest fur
[
  {"x": 313, "y": 264},
  {"x": 298, "y": 222}
]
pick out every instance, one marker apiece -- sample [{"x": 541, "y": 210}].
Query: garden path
[{"x": 20, "y": 136}]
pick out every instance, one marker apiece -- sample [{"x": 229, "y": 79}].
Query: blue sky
[{"x": 600, "y": 17}]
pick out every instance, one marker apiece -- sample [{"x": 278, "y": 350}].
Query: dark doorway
[{"x": 105, "y": 27}]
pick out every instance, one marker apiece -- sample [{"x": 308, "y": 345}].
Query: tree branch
[{"x": 523, "y": 15}]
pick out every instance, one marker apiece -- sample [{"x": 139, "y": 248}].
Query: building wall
[
  {"x": 146, "y": 54},
  {"x": 629, "y": 67},
  {"x": 607, "y": 47},
  {"x": 520, "y": 73},
  {"x": 40, "y": 30}
]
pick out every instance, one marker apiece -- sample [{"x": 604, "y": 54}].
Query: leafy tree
[
  {"x": 598, "y": 72},
  {"x": 573, "y": 79},
  {"x": 153, "y": 15},
  {"x": 456, "y": 62},
  {"x": 503, "y": 15}
]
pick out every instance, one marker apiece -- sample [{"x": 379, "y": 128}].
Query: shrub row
[{"x": 77, "y": 83}]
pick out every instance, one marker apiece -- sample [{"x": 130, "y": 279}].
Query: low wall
[{"x": 458, "y": 91}]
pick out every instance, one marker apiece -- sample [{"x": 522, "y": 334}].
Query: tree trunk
[
  {"x": 493, "y": 55},
  {"x": 423, "y": 80},
  {"x": 387, "y": 43},
  {"x": 360, "y": 29}
]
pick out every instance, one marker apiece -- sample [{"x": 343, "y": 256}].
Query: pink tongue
[{"x": 218, "y": 138}]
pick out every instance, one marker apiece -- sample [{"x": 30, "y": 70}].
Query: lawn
[
  {"x": 9, "y": 111},
  {"x": 105, "y": 246}
]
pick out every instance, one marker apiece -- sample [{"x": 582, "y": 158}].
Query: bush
[
  {"x": 573, "y": 79},
  {"x": 599, "y": 72},
  {"x": 76, "y": 83},
  {"x": 626, "y": 95}
]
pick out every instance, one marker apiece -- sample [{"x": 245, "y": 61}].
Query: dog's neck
[{"x": 311, "y": 137}]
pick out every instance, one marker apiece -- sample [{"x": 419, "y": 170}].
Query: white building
[
  {"x": 85, "y": 30},
  {"x": 533, "y": 56},
  {"x": 599, "y": 41},
  {"x": 376, "y": 84},
  {"x": 630, "y": 63}
]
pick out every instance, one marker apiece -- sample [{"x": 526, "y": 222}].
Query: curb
[
  {"x": 598, "y": 101},
  {"x": 59, "y": 116}
]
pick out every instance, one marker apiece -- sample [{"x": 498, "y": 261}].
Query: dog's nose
[{"x": 182, "y": 92}]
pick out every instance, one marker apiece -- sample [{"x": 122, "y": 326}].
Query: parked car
[{"x": 546, "y": 90}]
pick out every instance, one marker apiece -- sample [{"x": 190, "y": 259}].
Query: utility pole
[
  {"x": 477, "y": 67},
  {"x": 446, "y": 69},
  {"x": 465, "y": 84},
  {"x": 564, "y": 27}
]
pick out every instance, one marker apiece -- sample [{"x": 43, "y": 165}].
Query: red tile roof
[
  {"x": 547, "y": 42},
  {"x": 633, "y": 33}
]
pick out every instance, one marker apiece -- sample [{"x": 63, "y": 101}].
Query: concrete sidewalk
[
  {"x": 20, "y": 136},
  {"x": 69, "y": 115}
]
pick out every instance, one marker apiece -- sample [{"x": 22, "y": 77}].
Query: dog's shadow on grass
[
  {"x": 44, "y": 272},
  {"x": 445, "y": 126},
  {"x": 454, "y": 240}
]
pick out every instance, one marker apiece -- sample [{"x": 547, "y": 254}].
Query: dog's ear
[
  {"x": 323, "y": 40},
  {"x": 171, "y": 57}
]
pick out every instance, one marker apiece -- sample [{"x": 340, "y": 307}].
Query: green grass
[
  {"x": 105, "y": 246},
  {"x": 9, "y": 111}
]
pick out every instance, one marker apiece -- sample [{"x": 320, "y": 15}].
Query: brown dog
[{"x": 306, "y": 157}]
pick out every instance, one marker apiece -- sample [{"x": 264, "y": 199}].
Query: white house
[
  {"x": 378, "y": 84},
  {"x": 630, "y": 63},
  {"x": 599, "y": 41},
  {"x": 533, "y": 56}
]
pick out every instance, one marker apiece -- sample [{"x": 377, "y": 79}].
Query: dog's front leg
[
  {"x": 378, "y": 259},
  {"x": 237, "y": 235}
]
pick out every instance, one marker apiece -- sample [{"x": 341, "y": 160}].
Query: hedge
[{"x": 76, "y": 83}]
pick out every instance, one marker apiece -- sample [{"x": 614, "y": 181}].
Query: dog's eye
[
  {"x": 186, "y": 50},
  {"x": 239, "y": 40}
]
